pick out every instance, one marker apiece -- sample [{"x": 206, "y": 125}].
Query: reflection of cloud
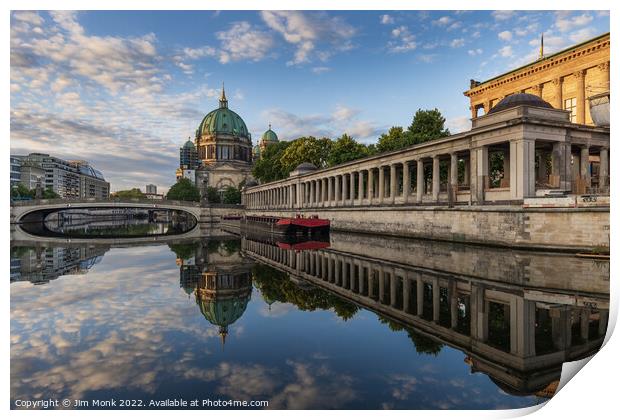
[
  {"x": 276, "y": 309},
  {"x": 402, "y": 386}
]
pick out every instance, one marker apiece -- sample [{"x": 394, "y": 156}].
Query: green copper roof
[
  {"x": 223, "y": 312},
  {"x": 223, "y": 121},
  {"x": 189, "y": 145},
  {"x": 270, "y": 135}
]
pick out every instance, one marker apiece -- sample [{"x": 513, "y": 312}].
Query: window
[{"x": 571, "y": 105}]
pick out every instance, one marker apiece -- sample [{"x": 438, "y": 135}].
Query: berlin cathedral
[{"x": 222, "y": 153}]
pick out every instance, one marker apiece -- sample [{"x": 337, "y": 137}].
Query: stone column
[
  {"x": 381, "y": 184},
  {"x": 479, "y": 315},
  {"x": 393, "y": 183},
  {"x": 406, "y": 182},
  {"x": 419, "y": 181},
  {"x": 474, "y": 111},
  {"x": 522, "y": 169},
  {"x": 435, "y": 178},
  {"x": 561, "y": 166},
  {"x": 560, "y": 327},
  {"x": 420, "y": 295},
  {"x": 352, "y": 188},
  {"x": 479, "y": 159},
  {"x": 454, "y": 308},
  {"x": 360, "y": 188},
  {"x": 584, "y": 165},
  {"x": 328, "y": 202},
  {"x": 604, "y": 168},
  {"x": 381, "y": 285},
  {"x": 454, "y": 176},
  {"x": 435, "y": 300},
  {"x": 371, "y": 181},
  {"x": 522, "y": 327},
  {"x": 345, "y": 190},
  {"x": 557, "y": 93},
  {"x": 604, "y": 68},
  {"x": 325, "y": 192},
  {"x": 580, "y": 76},
  {"x": 337, "y": 193}
]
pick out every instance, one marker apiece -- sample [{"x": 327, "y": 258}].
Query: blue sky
[{"x": 124, "y": 89}]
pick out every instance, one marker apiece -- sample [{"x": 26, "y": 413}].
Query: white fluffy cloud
[
  {"x": 243, "y": 42},
  {"x": 505, "y": 35},
  {"x": 457, "y": 43},
  {"x": 565, "y": 23},
  {"x": 443, "y": 21},
  {"x": 501, "y": 15},
  {"x": 402, "y": 40},
  {"x": 386, "y": 20},
  {"x": 506, "y": 51},
  {"x": 308, "y": 31},
  {"x": 474, "y": 52}
]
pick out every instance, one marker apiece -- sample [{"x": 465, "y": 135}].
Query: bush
[
  {"x": 231, "y": 195},
  {"x": 183, "y": 190}
]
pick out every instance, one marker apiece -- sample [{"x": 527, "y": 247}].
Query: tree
[
  {"x": 345, "y": 149},
  {"x": 269, "y": 167},
  {"x": 20, "y": 191},
  {"x": 427, "y": 125},
  {"x": 306, "y": 149},
  {"x": 396, "y": 138},
  {"x": 231, "y": 195},
  {"x": 132, "y": 193},
  {"x": 49, "y": 193},
  {"x": 213, "y": 195},
  {"x": 183, "y": 190}
]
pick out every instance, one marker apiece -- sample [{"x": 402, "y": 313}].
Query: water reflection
[{"x": 369, "y": 322}]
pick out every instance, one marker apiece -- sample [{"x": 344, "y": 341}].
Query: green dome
[
  {"x": 270, "y": 135},
  {"x": 223, "y": 121},
  {"x": 189, "y": 145},
  {"x": 223, "y": 312}
]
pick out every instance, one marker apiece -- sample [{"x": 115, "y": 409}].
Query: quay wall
[{"x": 569, "y": 229}]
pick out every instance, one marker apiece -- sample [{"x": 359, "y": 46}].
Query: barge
[{"x": 287, "y": 226}]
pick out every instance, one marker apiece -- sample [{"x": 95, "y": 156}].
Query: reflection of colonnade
[{"x": 517, "y": 335}]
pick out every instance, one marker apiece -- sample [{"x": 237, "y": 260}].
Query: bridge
[{"x": 35, "y": 211}]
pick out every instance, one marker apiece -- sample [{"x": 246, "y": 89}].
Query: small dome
[
  {"x": 189, "y": 145},
  {"x": 270, "y": 135},
  {"x": 306, "y": 166},
  {"x": 251, "y": 183},
  {"x": 518, "y": 99}
]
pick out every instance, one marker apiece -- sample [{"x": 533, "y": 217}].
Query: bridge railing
[{"x": 120, "y": 201}]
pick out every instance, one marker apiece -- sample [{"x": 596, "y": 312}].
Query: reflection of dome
[
  {"x": 223, "y": 298},
  {"x": 251, "y": 183},
  {"x": 223, "y": 121},
  {"x": 518, "y": 99}
]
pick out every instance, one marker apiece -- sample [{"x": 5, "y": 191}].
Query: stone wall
[{"x": 511, "y": 226}]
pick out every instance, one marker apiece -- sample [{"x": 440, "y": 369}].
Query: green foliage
[
  {"x": 21, "y": 191},
  {"x": 231, "y": 195},
  {"x": 275, "y": 286},
  {"x": 184, "y": 251},
  {"x": 423, "y": 344},
  {"x": 132, "y": 193},
  {"x": 345, "y": 149},
  {"x": 269, "y": 167},
  {"x": 426, "y": 125},
  {"x": 183, "y": 190},
  {"x": 213, "y": 195},
  {"x": 306, "y": 149},
  {"x": 396, "y": 138}
]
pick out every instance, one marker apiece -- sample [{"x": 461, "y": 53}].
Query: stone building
[
  {"x": 224, "y": 148},
  {"x": 567, "y": 80},
  {"x": 269, "y": 137}
]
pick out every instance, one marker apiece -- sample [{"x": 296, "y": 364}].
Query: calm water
[{"x": 448, "y": 326}]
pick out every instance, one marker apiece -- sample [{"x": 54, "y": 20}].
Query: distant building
[
  {"x": 16, "y": 163},
  {"x": 151, "y": 189},
  {"x": 188, "y": 156},
  {"x": 154, "y": 196},
  {"x": 68, "y": 179}
]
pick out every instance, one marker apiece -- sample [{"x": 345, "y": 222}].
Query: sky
[{"x": 125, "y": 89}]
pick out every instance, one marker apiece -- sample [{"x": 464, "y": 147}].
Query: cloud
[
  {"x": 566, "y": 23},
  {"x": 475, "y": 52},
  {"x": 29, "y": 17},
  {"x": 386, "y": 19},
  {"x": 320, "y": 69},
  {"x": 502, "y": 15},
  {"x": 505, "y": 35},
  {"x": 308, "y": 30},
  {"x": 457, "y": 43},
  {"x": 458, "y": 124},
  {"x": 342, "y": 120},
  {"x": 427, "y": 58},
  {"x": 402, "y": 40},
  {"x": 243, "y": 42},
  {"x": 506, "y": 51},
  {"x": 443, "y": 21},
  {"x": 582, "y": 35}
]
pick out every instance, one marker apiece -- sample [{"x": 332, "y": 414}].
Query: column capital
[
  {"x": 603, "y": 66},
  {"x": 580, "y": 74},
  {"x": 557, "y": 81}
]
